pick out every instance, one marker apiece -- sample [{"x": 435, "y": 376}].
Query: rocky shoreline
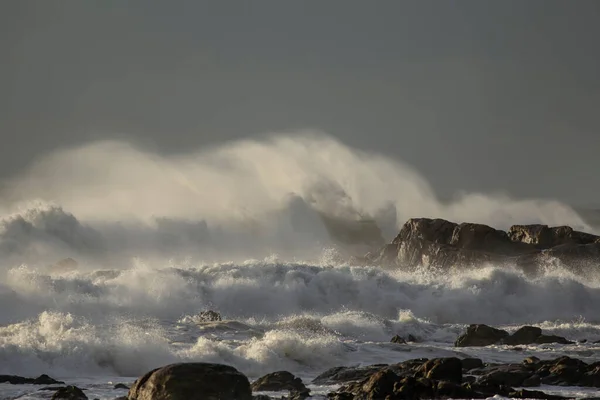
[{"x": 447, "y": 377}]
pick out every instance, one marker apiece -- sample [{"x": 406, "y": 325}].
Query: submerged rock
[
  {"x": 19, "y": 380},
  {"x": 69, "y": 393},
  {"x": 192, "y": 381}
]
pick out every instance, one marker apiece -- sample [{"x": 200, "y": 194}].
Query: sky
[{"x": 486, "y": 96}]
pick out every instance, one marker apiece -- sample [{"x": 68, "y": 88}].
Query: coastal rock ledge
[{"x": 441, "y": 244}]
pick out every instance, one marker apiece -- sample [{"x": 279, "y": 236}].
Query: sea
[{"x": 105, "y": 268}]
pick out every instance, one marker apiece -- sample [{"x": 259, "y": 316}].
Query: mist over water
[
  {"x": 242, "y": 199},
  {"x": 245, "y": 229}
]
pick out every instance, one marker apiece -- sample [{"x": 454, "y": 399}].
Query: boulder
[
  {"x": 524, "y": 335},
  {"x": 209, "y": 316},
  {"x": 279, "y": 381},
  {"x": 192, "y": 381},
  {"x": 398, "y": 339},
  {"x": 545, "y": 237},
  {"x": 442, "y": 369},
  {"x": 69, "y": 393},
  {"x": 479, "y": 335}
]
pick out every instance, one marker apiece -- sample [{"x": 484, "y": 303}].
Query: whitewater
[{"x": 240, "y": 229}]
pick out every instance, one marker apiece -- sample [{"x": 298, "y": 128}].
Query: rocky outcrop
[
  {"x": 442, "y": 378},
  {"x": 69, "y": 393},
  {"x": 19, "y": 380},
  {"x": 479, "y": 335},
  {"x": 280, "y": 381},
  {"x": 192, "y": 381},
  {"x": 209, "y": 316},
  {"x": 441, "y": 244}
]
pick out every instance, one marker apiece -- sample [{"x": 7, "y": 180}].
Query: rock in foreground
[
  {"x": 280, "y": 381},
  {"x": 192, "y": 381}
]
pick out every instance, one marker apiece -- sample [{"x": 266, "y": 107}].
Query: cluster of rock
[
  {"x": 437, "y": 243},
  {"x": 483, "y": 335},
  {"x": 455, "y": 378}
]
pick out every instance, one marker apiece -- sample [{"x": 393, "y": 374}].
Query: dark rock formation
[
  {"x": 437, "y": 243},
  {"x": 192, "y": 381},
  {"x": 69, "y": 393},
  {"x": 280, "y": 381},
  {"x": 209, "y": 316},
  {"x": 398, "y": 340},
  {"x": 480, "y": 335},
  {"x": 442, "y": 378},
  {"x": 121, "y": 386},
  {"x": 483, "y": 335},
  {"x": 19, "y": 380}
]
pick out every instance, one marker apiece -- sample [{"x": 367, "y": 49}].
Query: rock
[
  {"x": 546, "y": 339},
  {"x": 279, "y": 381},
  {"x": 471, "y": 363},
  {"x": 532, "y": 381},
  {"x": 19, "y": 380},
  {"x": 531, "y": 360},
  {"x": 209, "y": 316},
  {"x": 69, "y": 393},
  {"x": 397, "y": 339},
  {"x": 378, "y": 386},
  {"x": 192, "y": 381},
  {"x": 441, "y": 244},
  {"x": 446, "y": 369},
  {"x": 339, "y": 375},
  {"x": 524, "y": 335},
  {"x": 545, "y": 237},
  {"x": 121, "y": 386},
  {"x": 480, "y": 335},
  {"x": 508, "y": 375}
]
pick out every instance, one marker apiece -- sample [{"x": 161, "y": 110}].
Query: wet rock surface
[
  {"x": 69, "y": 393},
  {"x": 441, "y": 244},
  {"x": 443, "y": 378},
  {"x": 478, "y": 335},
  {"x": 281, "y": 381},
  {"x": 191, "y": 381},
  {"x": 19, "y": 380}
]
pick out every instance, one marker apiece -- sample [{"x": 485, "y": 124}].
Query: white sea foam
[{"x": 245, "y": 229}]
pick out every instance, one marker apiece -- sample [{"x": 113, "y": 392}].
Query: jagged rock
[
  {"x": 471, "y": 363},
  {"x": 437, "y": 243},
  {"x": 398, "y": 339},
  {"x": 445, "y": 369},
  {"x": 478, "y": 335},
  {"x": 192, "y": 381},
  {"x": 544, "y": 237},
  {"x": 524, "y": 335},
  {"x": 338, "y": 375},
  {"x": 509, "y": 375},
  {"x": 209, "y": 316},
  {"x": 279, "y": 381},
  {"x": 19, "y": 380},
  {"x": 69, "y": 393}
]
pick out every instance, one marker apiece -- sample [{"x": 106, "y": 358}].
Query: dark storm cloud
[{"x": 489, "y": 96}]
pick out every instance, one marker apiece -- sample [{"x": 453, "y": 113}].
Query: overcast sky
[{"x": 477, "y": 95}]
